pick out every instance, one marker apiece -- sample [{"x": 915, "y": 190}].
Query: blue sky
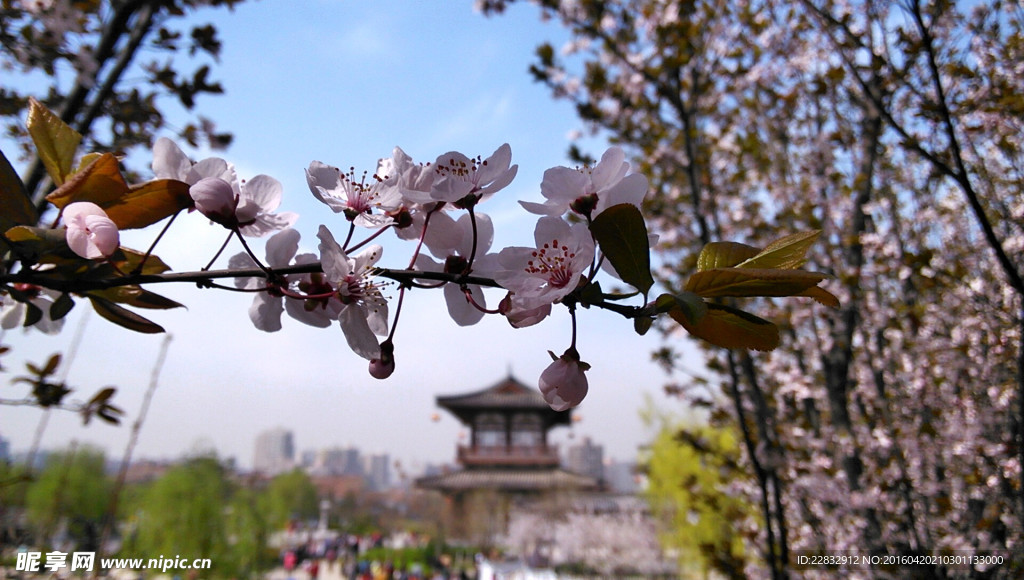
[{"x": 343, "y": 83}]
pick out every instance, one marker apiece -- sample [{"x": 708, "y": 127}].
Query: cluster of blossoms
[
  {"x": 590, "y": 221},
  {"x": 433, "y": 205}
]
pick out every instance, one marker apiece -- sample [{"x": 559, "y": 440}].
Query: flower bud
[
  {"x": 216, "y": 199},
  {"x": 381, "y": 368},
  {"x": 563, "y": 383},
  {"x": 90, "y": 233}
]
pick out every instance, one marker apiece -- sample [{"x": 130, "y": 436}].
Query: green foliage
[
  {"x": 688, "y": 469},
  {"x": 622, "y": 235},
  {"x": 73, "y": 488},
  {"x": 289, "y": 496},
  {"x": 183, "y": 511},
  {"x": 195, "y": 509},
  {"x": 247, "y": 535}
]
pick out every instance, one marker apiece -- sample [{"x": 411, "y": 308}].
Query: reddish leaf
[
  {"x": 752, "y": 282},
  {"x": 16, "y": 207},
  {"x": 55, "y": 141},
  {"x": 100, "y": 182},
  {"x": 731, "y": 328},
  {"x": 148, "y": 203},
  {"x": 786, "y": 253},
  {"x": 724, "y": 255},
  {"x": 121, "y": 316}
]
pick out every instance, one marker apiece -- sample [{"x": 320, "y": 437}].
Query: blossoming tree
[{"x": 892, "y": 424}]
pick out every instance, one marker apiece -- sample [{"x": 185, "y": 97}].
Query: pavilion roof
[{"x": 507, "y": 394}]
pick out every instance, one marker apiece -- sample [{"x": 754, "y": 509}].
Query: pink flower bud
[
  {"x": 381, "y": 368},
  {"x": 90, "y": 233},
  {"x": 215, "y": 199},
  {"x": 563, "y": 383}
]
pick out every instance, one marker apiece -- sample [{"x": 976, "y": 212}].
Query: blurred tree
[
  {"x": 70, "y": 493},
  {"x": 183, "y": 512},
  {"x": 289, "y": 497},
  {"x": 79, "y": 58},
  {"x": 248, "y": 533},
  {"x": 689, "y": 473},
  {"x": 893, "y": 425}
]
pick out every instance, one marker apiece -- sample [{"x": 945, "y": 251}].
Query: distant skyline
[{"x": 355, "y": 80}]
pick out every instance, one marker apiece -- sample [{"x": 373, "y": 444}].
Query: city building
[
  {"x": 275, "y": 452},
  {"x": 377, "y": 469},
  {"x": 621, "y": 476},
  {"x": 586, "y": 458},
  {"x": 508, "y": 460}
]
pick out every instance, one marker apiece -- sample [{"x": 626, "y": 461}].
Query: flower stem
[
  {"x": 149, "y": 251},
  {"x": 248, "y": 250},
  {"x": 221, "y": 250},
  {"x": 369, "y": 239}
]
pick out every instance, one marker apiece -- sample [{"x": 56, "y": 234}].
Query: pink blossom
[
  {"x": 364, "y": 310},
  {"x": 90, "y": 233},
  {"x": 546, "y": 273},
  {"x": 452, "y": 241},
  {"x": 215, "y": 199},
  {"x": 357, "y": 199},
  {"x": 563, "y": 383},
  {"x": 520, "y": 317},
  {"x": 590, "y": 190},
  {"x": 463, "y": 181}
]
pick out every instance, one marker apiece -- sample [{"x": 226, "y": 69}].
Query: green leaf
[
  {"x": 785, "y": 253},
  {"x": 622, "y": 235},
  {"x": 685, "y": 304},
  {"x": 149, "y": 203},
  {"x": 55, "y": 141},
  {"x": 724, "y": 255},
  {"x": 752, "y": 282},
  {"x": 16, "y": 206},
  {"x": 121, "y": 316},
  {"x": 731, "y": 328}
]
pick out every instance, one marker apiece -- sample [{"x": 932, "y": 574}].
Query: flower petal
[
  {"x": 357, "y": 331},
  {"x": 281, "y": 247},
  {"x": 265, "y": 312},
  {"x": 169, "y": 161},
  {"x": 459, "y": 308}
]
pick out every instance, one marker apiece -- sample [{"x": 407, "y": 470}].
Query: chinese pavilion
[{"x": 507, "y": 459}]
